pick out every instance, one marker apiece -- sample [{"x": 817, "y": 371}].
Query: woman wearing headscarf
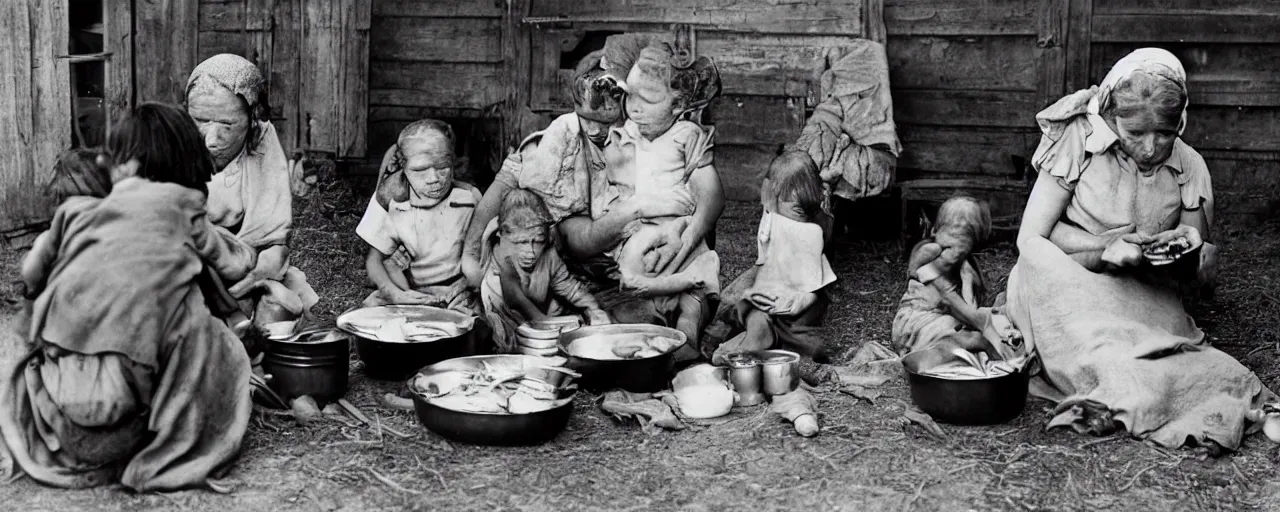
[
  {"x": 249, "y": 195},
  {"x": 1116, "y": 346}
]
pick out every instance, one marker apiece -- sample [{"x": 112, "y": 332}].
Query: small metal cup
[
  {"x": 780, "y": 377},
  {"x": 746, "y": 381}
]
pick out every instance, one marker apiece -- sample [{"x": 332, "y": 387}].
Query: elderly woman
[
  {"x": 128, "y": 377},
  {"x": 1116, "y": 346},
  {"x": 249, "y": 194}
]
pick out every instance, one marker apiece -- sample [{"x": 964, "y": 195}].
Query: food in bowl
[
  {"x": 405, "y": 324},
  {"x": 1168, "y": 252},
  {"x": 624, "y": 346},
  {"x": 491, "y": 390}
]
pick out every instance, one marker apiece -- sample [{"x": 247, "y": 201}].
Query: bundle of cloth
[{"x": 851, "y": 134}]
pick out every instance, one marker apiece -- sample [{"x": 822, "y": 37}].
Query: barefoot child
[
  {"x": 941, "y": 304},
  {"x": 786, "y": 301},
  {"x": 419, "y": 217},
  {"x": 524, "y": 278}
]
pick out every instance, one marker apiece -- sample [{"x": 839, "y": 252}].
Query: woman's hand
[
  {"x": 1183, "y": 231},
  {"x": 1125, "y": 251},
  {"x": 271, "y": 266},
  {"x": 411, "y": 297}
]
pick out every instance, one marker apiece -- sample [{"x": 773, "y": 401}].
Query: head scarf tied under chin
[
  {"x": 1154, "y": 61},
  {"x": 234, "y": 73}
]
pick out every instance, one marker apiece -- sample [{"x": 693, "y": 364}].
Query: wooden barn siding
[
  {"x": 34, "y": 104},
  {"x": 440, "y": 59},
  {"x": 315, "y": 58}
]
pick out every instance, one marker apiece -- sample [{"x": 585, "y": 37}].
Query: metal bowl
[
  {"x": 314, "y": 362},
  {"x": 494, "y": 429},
  {"x": 636, "y": 375},
  {"x": 397, "y": 359},
  {"x": 964, "y": 401}
]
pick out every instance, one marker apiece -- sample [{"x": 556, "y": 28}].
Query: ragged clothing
[
  {"x": 851, "y": 134},
  {"x": 432, "y": 239},
  {"x": 923, "y": 318},
  {"x": 1125, "y": 342},
  {"x": 790, "y": 259},
  {"x": 548, "y": 283},
  {"x": 252, "y": 198},
  {"x": 129, "y": 377},
  {"x": 559, "y": 168}
]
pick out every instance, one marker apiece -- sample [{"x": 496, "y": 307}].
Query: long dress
[
  {"x": 251, "y": 197},
  {"x": 128, "y": 377},
  {"x": 1122, "y": 344}
]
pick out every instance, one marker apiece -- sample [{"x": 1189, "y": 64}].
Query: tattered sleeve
[
  {"x": 1195, "y": 184},
  {"x": 227, "y": 254},
  {"x": 38, "y": 262},
  {"x": 1061, "y": 151}
]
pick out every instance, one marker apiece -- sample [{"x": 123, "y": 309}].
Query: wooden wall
[
  {"x": 438, "y": 59},
  {"x": 313, "y": 54},
  {"x": 35, "y": 105}
]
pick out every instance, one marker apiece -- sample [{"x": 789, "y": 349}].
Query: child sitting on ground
[
  {"x": 416, "y": 222},
  {"x": 80, "y": 173},
  {"x": 941, "y": 304},
  {"x": 653, "y": 155},
  {"x": 786, "y": 301},
  {"x": 523, "y": 274}
]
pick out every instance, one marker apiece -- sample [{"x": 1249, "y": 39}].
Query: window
[{"x": 88, "y": 57}]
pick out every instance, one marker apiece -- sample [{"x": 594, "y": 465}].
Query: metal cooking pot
[
  {"x": 314, "y": 362},
  {"x": 497, "y": 429},
  {"x": 397, "y": 359},
  {"x": 964, "y": 402},
  {"x": 635, "y": 375}
]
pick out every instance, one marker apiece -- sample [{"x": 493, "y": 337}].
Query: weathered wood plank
[
  {"x": 517, "y": 55},
  {"x": 436, "y": 84},
  {"x": 964, "y": 150},
  {"x": 835, "y": 17},
  {"x": 965, "y": 108},
  {"x": 439, "y": 8},
  {"x": 756, "y": 120},
  {"x": 1201, "y": 28},
  {"x": 960, "y": 17},
  {"x": 1079, "y": 43},
  {"x": 285, "y": 72},
  {"x": 19, "y": 192},
  {"x": 353, "y": 106},
  {"x": 1232, "y": 128},
  {"x": 321, "y": 63},
  {"x": 118, "y": 38},
  {"x": 215, "y": 42},
  {"x": 223, "y": 16},
  {"x": 987, "y": 63},
  {"x": 1187, "y": 7},
  {"x": 1051, "y": 41},
  {"x": 437, "y": 39},
  {"x": 742, "y": 168},
  {"x": 164, "y": 48},
  {"x": 873, "y": 25},
  {"x": 50, "y": 90}
]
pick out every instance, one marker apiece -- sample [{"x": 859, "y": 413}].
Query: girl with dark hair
[
  {"x": 130, "y": 377},
  {"x": 249, "y": 193}
]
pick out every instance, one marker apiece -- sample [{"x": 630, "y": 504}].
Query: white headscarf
[{"x": 1156, "y": 61}]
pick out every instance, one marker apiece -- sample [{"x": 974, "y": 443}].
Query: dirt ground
[{"x": 865, "y": 458}]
